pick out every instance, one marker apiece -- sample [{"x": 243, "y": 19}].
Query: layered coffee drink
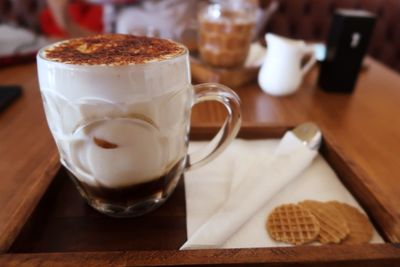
[
  {"x": 225, "y": 33},
  {"x": 118, "y": 107}
]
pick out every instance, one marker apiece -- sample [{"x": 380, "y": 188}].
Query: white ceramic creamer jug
[{"x": 282, "y": 73}]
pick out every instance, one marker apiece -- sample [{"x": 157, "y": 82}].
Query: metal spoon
[{"x": 310, "y": 134}]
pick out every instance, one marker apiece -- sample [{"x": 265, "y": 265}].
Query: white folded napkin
[
  {"x": 208, "y": 190},
  {"x": 263, "y": 180}
]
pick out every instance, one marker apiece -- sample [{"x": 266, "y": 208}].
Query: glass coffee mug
[{"x": 122, "y": 131}]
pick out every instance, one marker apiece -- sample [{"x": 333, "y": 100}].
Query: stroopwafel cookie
[
  {"x": 359, "y": 225},
  {"x": 333, "y": 225},
  {"x": 292, "y": 224}
]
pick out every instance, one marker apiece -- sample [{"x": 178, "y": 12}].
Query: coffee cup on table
[{"x": 118, "y": 107}]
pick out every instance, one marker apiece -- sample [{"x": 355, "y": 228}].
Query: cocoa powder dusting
[{"x": 113, "y": 49}]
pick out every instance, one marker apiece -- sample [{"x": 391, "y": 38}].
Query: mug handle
[
  {"x": 230, "y": 128},
  {"x": 310, "y": 49}
]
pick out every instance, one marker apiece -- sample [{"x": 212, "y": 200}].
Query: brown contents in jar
[{"x": 225, "y": 42}]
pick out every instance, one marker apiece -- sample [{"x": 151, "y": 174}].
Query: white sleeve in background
[{"x": 167, "y": 17}]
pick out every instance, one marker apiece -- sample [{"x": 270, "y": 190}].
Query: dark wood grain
[{"x": 385, "y": 255}]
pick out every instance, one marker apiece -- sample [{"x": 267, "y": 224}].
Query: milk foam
[{"x": 141, "y": 109}]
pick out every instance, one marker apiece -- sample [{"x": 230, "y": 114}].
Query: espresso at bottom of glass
[{"x": 131, "y": 201}]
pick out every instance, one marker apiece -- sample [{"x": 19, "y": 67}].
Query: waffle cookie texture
[
  {"x": 292, "y": 224},
  {"x": 359, "y": 225},
  {"x": 334, "y": 227},
  {"x": 329, "y": 222}
]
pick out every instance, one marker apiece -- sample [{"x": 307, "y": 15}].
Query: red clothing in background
[{"x": 86, "y": 15}]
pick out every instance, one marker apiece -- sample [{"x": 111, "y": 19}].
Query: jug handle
[{"x": 310, "y": 49}]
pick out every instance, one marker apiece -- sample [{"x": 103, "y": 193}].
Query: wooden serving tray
[
  {"x": 231, "y": 77},
  {"x": 64, "y": 230}
]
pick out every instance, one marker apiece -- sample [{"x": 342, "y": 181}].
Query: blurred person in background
[
  {"x": 74, "y": 18},
  {"x": 163, "y": 18},
  {"x": 67, "y": 18},
  {"x": 166, "y": 19}
]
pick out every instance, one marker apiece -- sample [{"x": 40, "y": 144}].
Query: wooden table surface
[{"x": 364, "y": 126}]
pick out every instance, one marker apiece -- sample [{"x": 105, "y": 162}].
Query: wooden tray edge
[
  {"x": 43, "y": 176},
  {"x": 380, "y": 211},
  {"x": 371, "y": 255}
]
